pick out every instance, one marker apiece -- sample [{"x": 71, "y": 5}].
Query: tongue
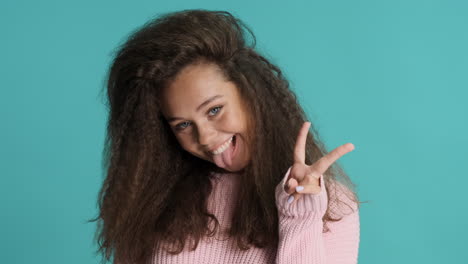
[{"x": 224, "y": 159}]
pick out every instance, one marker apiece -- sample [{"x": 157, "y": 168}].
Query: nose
[{"x": 206, "y": 135}]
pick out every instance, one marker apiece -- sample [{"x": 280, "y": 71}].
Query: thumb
[{"x": 290, "y": 186}]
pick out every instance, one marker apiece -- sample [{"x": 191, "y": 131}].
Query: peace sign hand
[{"x": 304, "y": 178}]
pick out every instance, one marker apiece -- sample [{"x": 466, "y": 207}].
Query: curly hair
[{"x": 154, "y": 191}]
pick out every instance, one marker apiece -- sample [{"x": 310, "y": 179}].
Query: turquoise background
[{"x": 389, "y": 76}]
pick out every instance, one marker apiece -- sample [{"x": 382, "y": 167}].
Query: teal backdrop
[{"x": 389, "y": 76}]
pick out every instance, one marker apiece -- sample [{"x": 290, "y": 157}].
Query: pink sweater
[{"x": 300, "y": 232}]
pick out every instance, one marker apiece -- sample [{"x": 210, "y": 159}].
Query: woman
[{"x": 208, "y": 157}]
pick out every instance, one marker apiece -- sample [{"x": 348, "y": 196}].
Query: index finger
[
  {"x": 326, "y": 161},
  {"x": 299, "y": 148}
]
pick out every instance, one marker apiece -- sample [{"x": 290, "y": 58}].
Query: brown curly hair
[{"x": 154, "y": 191}]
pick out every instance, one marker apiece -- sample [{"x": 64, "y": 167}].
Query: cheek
[
  {"x": 227, "y": 123},
  {"x": 238, "y": 125},
  {"x": 185, "y": 142},
  {"x": 191, "y": 147},
  {"x": 233, "y": 121},
  {"x": 189, "y": 144}
]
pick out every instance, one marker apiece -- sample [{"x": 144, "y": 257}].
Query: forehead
[{"x": 194, "y": 84}]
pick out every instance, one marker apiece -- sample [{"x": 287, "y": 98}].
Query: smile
[{"x": 223, "y": 147}]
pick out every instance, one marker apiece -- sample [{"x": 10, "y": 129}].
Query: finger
[
  {"x": 304, "y": 189},
  {"x": 294, "y": 197},
  {"x": 291, "y": 185},
  {"x": 308, "y": 188},
  {"x": 326, "y": 161},
  {"x": 299, "y": 148},
  {"x": 299, "y": 171}
]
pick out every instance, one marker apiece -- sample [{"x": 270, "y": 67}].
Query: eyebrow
[{"x": 207, "y": 101}]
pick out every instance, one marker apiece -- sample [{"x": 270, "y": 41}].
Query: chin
[{"x": 236, "y": 168}]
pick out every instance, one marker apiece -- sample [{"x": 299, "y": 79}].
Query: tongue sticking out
[{"x": 224, "y": 159}]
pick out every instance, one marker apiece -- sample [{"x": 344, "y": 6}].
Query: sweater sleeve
[{"x": 301, "y": 239}]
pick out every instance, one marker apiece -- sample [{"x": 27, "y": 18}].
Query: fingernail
[
  {"x": 299, "y": 188},
  {"x": 290, "y": 199}
]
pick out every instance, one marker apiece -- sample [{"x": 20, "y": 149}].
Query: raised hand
[{"x": 305, "y": 178}]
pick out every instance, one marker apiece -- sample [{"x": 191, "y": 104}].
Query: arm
[{"x": 301, "y": 239}]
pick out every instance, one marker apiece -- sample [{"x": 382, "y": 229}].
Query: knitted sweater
[{"x": 300, "y": 231}]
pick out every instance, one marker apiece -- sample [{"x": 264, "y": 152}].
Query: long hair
[{"x": 156, "y": 192}]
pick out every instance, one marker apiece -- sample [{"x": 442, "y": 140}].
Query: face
[{"x": 208, "y": 116}]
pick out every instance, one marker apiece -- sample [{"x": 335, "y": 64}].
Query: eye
[
  {"x": 215, "y": 110},
  {"x": 182, "y": 125}
]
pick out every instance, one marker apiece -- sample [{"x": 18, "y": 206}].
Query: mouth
[
  {"x": 224, "y": 146},
  {"x": 225, "y": 155}
]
